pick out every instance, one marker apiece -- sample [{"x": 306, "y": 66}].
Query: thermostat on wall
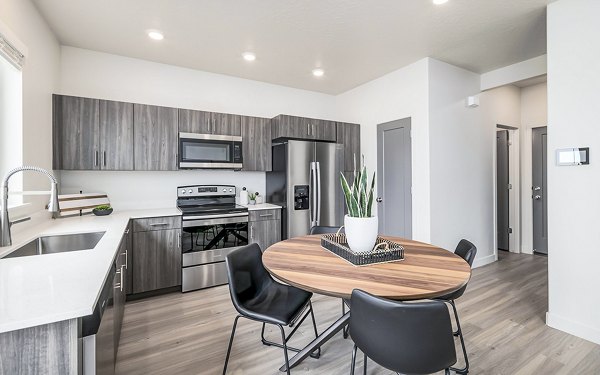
[{"x": 573, "y": 156}]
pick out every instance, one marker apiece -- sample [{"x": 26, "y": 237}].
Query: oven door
[
  {"x": 209, "y": 151},
  {"x": 208, "y": 239}
]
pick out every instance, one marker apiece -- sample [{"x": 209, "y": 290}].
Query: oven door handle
[
  {"x": 219, "y": 216},
  {"x": 215, "y": 221}
]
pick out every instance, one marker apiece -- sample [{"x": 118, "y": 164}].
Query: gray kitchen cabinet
[
  {"x": 75, "y": 133},
  {"x": 120, "y": 292},
  {"x": 349, "y": 136},
  {"x": 156, "y": 257},
  {"x": 155, "y": 138},
  {"x": 256, "y": 148},
  {"x": 264, "y": 227},
  {"x": 192, "y": 121},
  {"x": 129, "y": 258},
  {"x": 293, "y": 127},
  {"x": 116, "y": 135}
]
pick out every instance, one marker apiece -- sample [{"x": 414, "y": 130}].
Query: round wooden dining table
[{"x": 426, "y": 272}]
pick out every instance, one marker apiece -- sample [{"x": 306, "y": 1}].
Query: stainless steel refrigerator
[{"x": 305, "y": 181}]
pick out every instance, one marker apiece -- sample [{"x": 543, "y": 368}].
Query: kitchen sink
[{"x": 58, "y": 244}]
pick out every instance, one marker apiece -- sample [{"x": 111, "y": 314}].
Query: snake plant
[{"x": 359, "y": 199}]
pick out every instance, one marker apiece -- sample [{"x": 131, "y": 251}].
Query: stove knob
[
  {"x": 231, "y": 190},
  {"x": 183, "y": 191},
  {"x": 224, "y": 190},
  {"x": 190, "y": 191}
]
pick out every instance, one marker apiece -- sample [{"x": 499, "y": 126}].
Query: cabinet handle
[
  {"x": 265, "y": 215},
  {"x": 313, "y": 129},
  {"x": 307, "y": 129},
  {"x": 126, "y": 259},
  {"x": 104, "y": 158},
  {"x": 179, "y": 242},
  {"x": 251, "y": 232},
  {"x": 96, "y": 158},
  {"x": 120, "y": 284},
  {"x": 158, "y": 224},
  {"x": 127, "y": 231}
]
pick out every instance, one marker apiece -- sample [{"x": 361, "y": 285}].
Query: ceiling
[{"x": 354, "y": 41}]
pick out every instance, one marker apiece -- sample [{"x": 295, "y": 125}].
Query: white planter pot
[{"x": 361, "y": 232}]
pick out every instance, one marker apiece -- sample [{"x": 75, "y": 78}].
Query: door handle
[
  {"x": 537, "y": 197},
  {"x": 379, "y": 200}
]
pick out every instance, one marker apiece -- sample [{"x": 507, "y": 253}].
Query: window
[{"x": 11, "y": 115}]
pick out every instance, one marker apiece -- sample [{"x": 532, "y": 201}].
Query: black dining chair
[
  {"x": 328, "y": 230},
  {"x": 257, "y": 296},
  {"x": 408, "y": 338},
  {"x": 466, "y": 250}
]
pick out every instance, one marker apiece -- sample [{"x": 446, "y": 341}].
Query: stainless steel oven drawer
[
  {"x": 204, "y": 276},
  {"x": 207, "y": 256}
]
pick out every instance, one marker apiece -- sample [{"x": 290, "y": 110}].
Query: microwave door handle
[{"x": 318, "y": 197}]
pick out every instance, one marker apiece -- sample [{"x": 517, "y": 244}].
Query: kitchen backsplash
[{"x": 136, "y": 189}]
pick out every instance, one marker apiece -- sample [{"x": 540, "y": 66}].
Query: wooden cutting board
[{"x": 74, "y": 204}]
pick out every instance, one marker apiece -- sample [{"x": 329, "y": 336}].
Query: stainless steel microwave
[{"x": 197, "y": 151}]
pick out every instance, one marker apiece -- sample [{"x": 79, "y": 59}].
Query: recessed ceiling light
[
  {"x": 318, "y": 72},
  {"x": 249, "y": 56},
  {"x": 440, "y": 2},
  {"x": 156, "y": 35}
]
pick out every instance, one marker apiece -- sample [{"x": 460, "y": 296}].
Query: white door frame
[{"x": 514, "y": 195}]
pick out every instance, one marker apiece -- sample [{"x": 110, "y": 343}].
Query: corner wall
[{"x": 573, "y": 199}]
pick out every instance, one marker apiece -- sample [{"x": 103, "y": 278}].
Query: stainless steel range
[{"x": 213, "y": 226}]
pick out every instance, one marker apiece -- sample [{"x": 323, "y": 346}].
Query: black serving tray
[{"x": 337, "y": 244}]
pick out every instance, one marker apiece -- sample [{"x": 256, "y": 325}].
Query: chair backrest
[
  {"x": 247, "y": 275},
  {"x": 466, "y": 250},
  {"x": 409, "y": 338},
  {"x": 324, "y": 230}
]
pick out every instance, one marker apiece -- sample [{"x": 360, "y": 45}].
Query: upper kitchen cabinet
[
  {"x": 191, "y": 121},
  {"x": 256, "y": 147},
  {"x": 349, "y": 136},
  {"x": 92, "y": 134},
  {"x": 75, "y": 133},
  {"x": 155, "y": 138},
  {"x": 116, "y": 135},
  {"x": 285, "y": 126}
]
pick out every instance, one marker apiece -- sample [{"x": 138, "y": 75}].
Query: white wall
[
  {"x": 40, "y": 75},
  {"x": 100, "y": 75},
  {"x": 461, "y": 162},
  {"x": 513, "y": 73},
  {"x": 534, "y": 113},
  {"x": 397, "y": 95},
  {"x": 573, "y": 201}
]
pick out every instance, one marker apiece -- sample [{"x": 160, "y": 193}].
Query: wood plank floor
[{"x": 502, "y": 312}]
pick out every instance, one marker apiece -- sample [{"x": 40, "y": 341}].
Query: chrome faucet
[{"x": 5, "y": 223}]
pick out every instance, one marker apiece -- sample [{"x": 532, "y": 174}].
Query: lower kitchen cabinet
[
  {"x": 264, "y": 227},
  {"x": 156, "y": 259},
  {"x": 120, "y": 290}
]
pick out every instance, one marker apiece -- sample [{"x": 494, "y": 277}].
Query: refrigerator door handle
[
  {"x": 318, "y": 197},
  {"x": 312, "y": 194}
]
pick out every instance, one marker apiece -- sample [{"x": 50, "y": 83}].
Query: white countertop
[
  {"x": 42, "y": 289},
  {"x": 261, "y": 206}
]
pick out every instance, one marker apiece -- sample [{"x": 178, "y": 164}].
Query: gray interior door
[
  {"x": 394, "y": 180},
  {"x": 539, "y": 190},
  {"x": 502, "y": 181}
]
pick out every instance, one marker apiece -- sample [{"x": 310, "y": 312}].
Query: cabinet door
[
  {"x": 145, "y": 250},
  {"x": 116, "y": 135},
  {"x": 323, "y": 130},
  {"x": 256, "y": 148},
  {"x": 284, "y": 126},
  {"x": 191, "y": 121},
  {"x": 226, "y": 124},
  {"x": 129, "y": 258},
  {"x": 75, "y": 133},
  {"x": 168, "y": 271},
  {"x": 155, "y": 138},
  {"x": 119, "y": 293},
  {"x": 349, "y": 136},
  {"x": 265, "y": 233}
]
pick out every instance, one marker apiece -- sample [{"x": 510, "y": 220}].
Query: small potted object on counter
[
  {"x": 102, "y": 210},
  {"x": 252, "y": 198}
]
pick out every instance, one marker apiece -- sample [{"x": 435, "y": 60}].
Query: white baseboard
[
  {"x": 485, "y": 260},
  {"x": 573, "y": 328}
]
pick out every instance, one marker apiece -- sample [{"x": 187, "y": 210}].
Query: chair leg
[
  {"x": 345, "y": 330},
  {"x": 365, "y": 361},
  {"x": 230, "y": 343},
  {"x": 312, "y": 315},
  {"x": 447, "y": 372},
  {"x": 285, "y": 353},
  {"x": 353, "y": 364},
  {"x": 316, "y": 354},
  {"x": 464, "y": 370}
]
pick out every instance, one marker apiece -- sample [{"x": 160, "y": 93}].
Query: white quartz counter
[
  {"x": 42, "y": 289},
  {"x": 261, "y": 206}
]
